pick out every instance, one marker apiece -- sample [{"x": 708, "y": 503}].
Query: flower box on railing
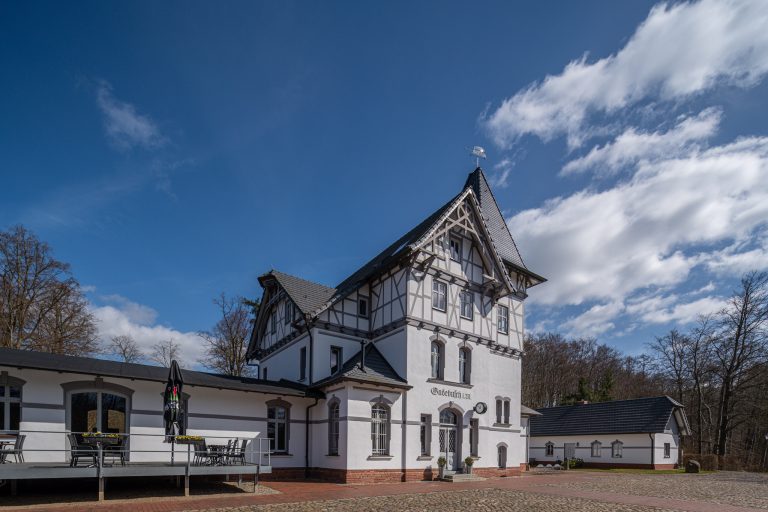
[{"x": 188, "y": 439}]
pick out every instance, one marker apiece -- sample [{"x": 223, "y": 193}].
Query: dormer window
[
  {"x": 362, "y": 308},
  {"x": 455, "y": 246},
  {"x": 335, "y": 360}
]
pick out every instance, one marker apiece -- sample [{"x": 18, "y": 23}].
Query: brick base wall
[{"x": 498, "y": 472}]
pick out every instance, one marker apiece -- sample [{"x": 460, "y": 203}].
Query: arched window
[
  {"x": 499, "y": 404},
  {"x": 617, "y": 448},
  {"x": 278, "y": 425},
  {"x": 465, "y": 365},
  {"x": 502, "y": 456},
  {"x": 98, "y": 406},
  {"x": 550, "y": 449},
  {"x": 379, "y": 429},
  {"x": 507, "y": 404},
  {"x": 333, "y": 429},
  {"x": 436, "y": 360},
  {"x": 596, "y": 448},
  {"x": 10, "y": 402}
]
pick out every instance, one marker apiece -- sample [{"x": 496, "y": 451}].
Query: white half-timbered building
[{"x": 417, "y": 354}]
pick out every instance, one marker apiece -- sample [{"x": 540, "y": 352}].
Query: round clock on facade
[{"x": 481, "y": 407}]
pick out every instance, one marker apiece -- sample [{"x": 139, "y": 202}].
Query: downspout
[
  {"x": 309, "y": 383},
  {"x": 653, "y": 450}
]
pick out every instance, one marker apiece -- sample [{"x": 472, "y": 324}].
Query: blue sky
[{"x": 172, "y": 151}]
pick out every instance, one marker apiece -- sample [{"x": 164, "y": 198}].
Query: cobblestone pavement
[
  {"x": 451, "y": 501},
  {"x": 725, "y": 487}
]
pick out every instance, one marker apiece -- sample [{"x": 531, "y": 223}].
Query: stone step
[{"x": 462, "y": 477}]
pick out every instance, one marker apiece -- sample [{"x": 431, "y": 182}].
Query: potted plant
[
  {"x": 441, "y": 462},
  {"x": 468, "y": 464}
]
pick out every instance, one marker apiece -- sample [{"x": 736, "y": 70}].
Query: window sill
[
  {"x": 505, "y": 425},
  {"x": 380, "y": 457},
  {"x": 281, "y": 454},
  {"x": 449, "y": 383},
  {"x": 332, "y": 455},
  {"x": 425, "y": 457}
]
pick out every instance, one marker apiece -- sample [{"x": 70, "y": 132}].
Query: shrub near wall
[{"x": 709, "y": 462}]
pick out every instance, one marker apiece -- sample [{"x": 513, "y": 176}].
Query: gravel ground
[
  {"x": 725, "y": 487},
  {"x": 451, "y": 501}
]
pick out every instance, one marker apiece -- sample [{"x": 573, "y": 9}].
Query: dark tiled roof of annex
[{"x": 640, "y": 415}]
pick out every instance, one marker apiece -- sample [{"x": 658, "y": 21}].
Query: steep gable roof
[
  {"x": 307, "y": 295},
  {"x": 497, "y": 226},
  {"x": 636, "y": 416},
  {"x": 376, "y": 370}
]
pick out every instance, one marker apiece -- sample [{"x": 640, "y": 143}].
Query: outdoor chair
[
  {"x": 203, "y": 457},
  {"x": 116, "y": 452},
  {"x": 17, "y": 450},
  {"x": 80, "y": 451},
  {"x": 238, "y": 452}
]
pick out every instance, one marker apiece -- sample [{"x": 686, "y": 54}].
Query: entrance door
[
  {"x": 570, "y": 451},
  {"x": 448, "y": 439}
]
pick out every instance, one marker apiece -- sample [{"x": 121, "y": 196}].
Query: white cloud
[
  {"x": 126, "y": 128},
  {"x": 651, "y": 230},
  {"x": 632, "y": 145},
  {"x": 120, "y": 316},
  {"x": 678, "y": 51},
  {"x": 661, "y": 309},
  {"x": 595, "y": 321}
]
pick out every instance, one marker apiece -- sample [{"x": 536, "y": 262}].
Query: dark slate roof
[
  {"x": 307, "y": 295},
  {"x": 636, "y": 416},
  {"x": 377, "y": 370},
  {"x": 388, "y": 256},
  {"x": 502, "y": 238},
  {"x": 105, "y": 368}
]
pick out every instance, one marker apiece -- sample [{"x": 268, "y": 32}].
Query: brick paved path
[{"x": 579, "y": 491}]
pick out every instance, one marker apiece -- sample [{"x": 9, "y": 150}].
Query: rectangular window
[
  {"x": 333, "y": 429},
  {"x": 667, "y": 450},
  {"x": 503, "y": 319},
  {"x": 425, "y": 433},
  {"x": 288, "y": 312},
  {"x": 10, "y": 407},
  {"x": 467, "y": 304},
  {"x": 596, "y": 449},
  {"x": 335, "y": 360},
  {"x": 379, "y": 430},
  {"x": 455, "y": 249},
  {"x": 616, "y": 449},
  {"x": 474, "y": 433},
  {"x": 506, "y": 411},
  {"x": 498, "y": 411},
  {"x": 273, "y": 322},
  {"x": 550, "y": 450},
  {"x": 277, "y": 428},
  {"x": 303, "y": 363},
  {"x": 362, "y": 308},
  {"x": 439, "y": 293}
]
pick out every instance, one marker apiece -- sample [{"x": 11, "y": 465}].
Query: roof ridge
[{"x": 655, "y": 397}]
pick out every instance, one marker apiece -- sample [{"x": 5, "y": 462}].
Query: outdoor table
[
  {"x": 6, "y": 439},
  {"x": 218, "y": 452},
  {"x": 100, "y": 442}
]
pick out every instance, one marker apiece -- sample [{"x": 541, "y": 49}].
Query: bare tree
[
  {"x": 740, "y": 345},
  {"x": 227, "y": 342},
  {"x": 126, "y": 348},
  {"x": 672, "y": 353},
  {"x": 41, "y": 305},
  {"x": 163, "y": 352}
]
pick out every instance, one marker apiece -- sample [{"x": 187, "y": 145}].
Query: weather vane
[{"x": 478, "y": 153}]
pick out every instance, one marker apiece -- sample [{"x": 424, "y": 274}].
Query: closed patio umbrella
[{"x": 172, "y": 403}]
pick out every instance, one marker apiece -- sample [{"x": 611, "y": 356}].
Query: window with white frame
[
  {"x": 474, "y": 436},
  {"x": 379, "y": 429},
  {"x": 503, "y": 326},
  {"x": 667, "y": 450},
  {"x": 362, "y": 307},
  {"x": 617, "y": 448},
  {"x": 455, "y": 248},
  {"x": 436, "y": 359},
  {"x": 465, "y": 365},
  {"x": 467, "y": 304},
  {"x": 425, "y": 434},
  {"x": 277, "y": 426},
  {"x": 439, "y": 295},
  {"x": 597, "y": 448},
  {"x": 550, "y": 449},
  {"x": 336, "y": 360},
  {"x": 499, "y": 407},
  {"x": 10, "y": 402},
  {"x": 507, "y": 404},
  {"x": 333, "y": 429},
  {"x": 303, "y": 363}
]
